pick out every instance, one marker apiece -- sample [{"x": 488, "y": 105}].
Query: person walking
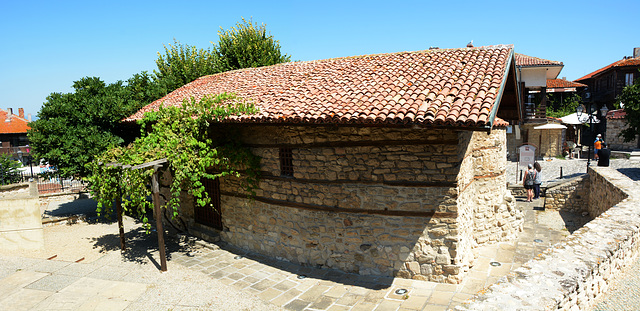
[
  {"x": 597, "y": 145},
  {"x": 537, "y": 181},
  {"x": 527, "y": 181}
]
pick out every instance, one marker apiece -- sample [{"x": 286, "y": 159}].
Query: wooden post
[
  {"x": 123, "y": 247},
  {"x": 158, "y": 212}
]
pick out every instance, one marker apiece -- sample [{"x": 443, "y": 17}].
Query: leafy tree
[
  {"x": 244, "y": 46},
  {"x": 8, "y": 170},
  {"x": 562, "y": 105},
  {"x": 73, "y": 128},
  {"x": 630, "y": 97},
  {"x": 247, "y": 45},
  {"x": 182, "y": 64}
]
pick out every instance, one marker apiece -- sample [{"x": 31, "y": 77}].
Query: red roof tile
[
  {"x": 530, "y": 61},
  {"x": 14, "y": 126},
  {"x": 558, "y": 83},
  {"x": 616, "y": 114},
  {"x": 455, "y": 87},
  {"x": 620, "y": 63}
]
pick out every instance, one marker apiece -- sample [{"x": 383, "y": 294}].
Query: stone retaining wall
[
  {"x": 20, "y": 219},
  {"x": 603, "y": 192},
  {"x": 573, "y": 273},
  {"x": 572, "y": 196}
]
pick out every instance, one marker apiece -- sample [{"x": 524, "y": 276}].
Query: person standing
[
  {"x": 537, "y": 181},
  {"x": 527, "y": 181},
  {"x": 604, "y": 154},
  {"x": 597, "y": 145}
]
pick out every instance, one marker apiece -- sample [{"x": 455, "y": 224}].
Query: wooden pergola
[{"x": 157, "y": 208}]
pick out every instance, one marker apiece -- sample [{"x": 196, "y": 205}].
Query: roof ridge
[
  {"x": 614, "y": 64},
  {"x": 485, "y": 47}
]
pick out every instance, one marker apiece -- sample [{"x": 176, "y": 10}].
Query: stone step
[
  {"x": 635, "y": 155},
  {"x": 208, "y": 234}
]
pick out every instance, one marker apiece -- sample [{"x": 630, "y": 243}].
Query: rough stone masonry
[{"x": 406, "y": 202}]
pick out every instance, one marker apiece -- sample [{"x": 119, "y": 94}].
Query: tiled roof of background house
[
  {"x": 616, "y": 114},
  {"x": 620, "y": 63},
  {"x": 454, "y": 87},
  {"x": 14, "y": 126},
  {"x": 558, "y": 83},
  {"x": 530, "y": 61}
]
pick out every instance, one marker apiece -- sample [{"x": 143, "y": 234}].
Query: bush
[{"x": 9, "y": 173}]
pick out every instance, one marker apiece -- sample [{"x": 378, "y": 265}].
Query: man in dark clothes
[{"x": 604, "y": 154}]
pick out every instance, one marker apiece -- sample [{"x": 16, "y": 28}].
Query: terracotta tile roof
[
  {"x": 616, "y": 114},
  {"x": 453, "y": 87},
  {"x": 16, "y": 125},
  {"x": 620, "y": 63},
  {"x": 500, "y": 123},
  {"x": 530, "y": 61},
  {"x": 559, "y": 83}
]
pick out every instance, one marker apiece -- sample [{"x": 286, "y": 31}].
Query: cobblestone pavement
[
  {"x": 296, "y": 287},
  {"x": 551, "y": 169}
]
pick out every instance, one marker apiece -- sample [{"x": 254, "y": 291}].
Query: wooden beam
[
  {"x": 372, "y": 143},
  {"x": 314, "y": 207},
  {"x": 149, "y": 164},
  {"x": 123, "y": 246},
  {"x": 157, "y": 209}
]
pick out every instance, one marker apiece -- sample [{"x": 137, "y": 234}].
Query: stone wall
[
  {"x": 572, "y": 274},
  {"x": 604, "y": 191},
  {"x": 381, "y": 201},
  {"x": 614, "y": 141},
  {"x": 572, "y": 196},
  {"x": 20, "y": 219},
  {"x": 548, "y": 142}
]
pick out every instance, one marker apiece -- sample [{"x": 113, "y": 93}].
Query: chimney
[
  {"x": 10, "y": 110},
  {"x": 21, "y": 112},
  {"x": 636, "y": 52},
  {"x": 29, "y": 117}
]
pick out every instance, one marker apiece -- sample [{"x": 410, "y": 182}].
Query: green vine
[{"x": 182, "y": 135}]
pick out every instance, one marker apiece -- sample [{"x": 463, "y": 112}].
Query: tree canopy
[
  {"x": 630, "y": 97},
  {"x": 72, "y": 128},
  {"x": 182, "y": 64},
  {"x": 561, "y": 105},
  {"x": 247, "y": 45}
]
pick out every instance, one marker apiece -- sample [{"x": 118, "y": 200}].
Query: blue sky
[{"x": 47, "y": 45}]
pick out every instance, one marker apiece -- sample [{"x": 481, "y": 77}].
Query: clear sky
[{"x": 46, "y": 45}]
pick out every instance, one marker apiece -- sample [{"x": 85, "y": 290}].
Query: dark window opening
[{"x": 286, "y": 162}]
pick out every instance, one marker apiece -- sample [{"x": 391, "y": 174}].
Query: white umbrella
[
  {"x": 550, "y": 126},
  {"x": 573, "y": 119}
]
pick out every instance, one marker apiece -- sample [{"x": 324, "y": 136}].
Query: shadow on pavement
[
  {"x": 367, "y": 281},
  {"x": 80, "y": 206},
  {"x": 141, "y": 245},
  {"x": 573, "y": 220},
  {"x": 633, "y": 173}
]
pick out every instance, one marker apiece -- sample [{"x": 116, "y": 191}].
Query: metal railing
[{"x": 52, "y": 182}]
